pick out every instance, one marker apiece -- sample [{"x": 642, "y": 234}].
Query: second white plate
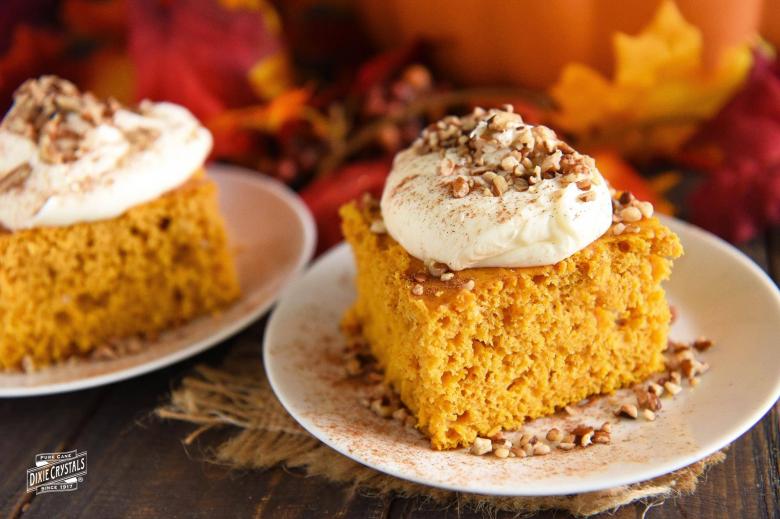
[{"x": 717, "y": 291}]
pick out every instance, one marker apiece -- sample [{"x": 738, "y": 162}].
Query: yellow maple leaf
[{"x": 659, "y": 92}]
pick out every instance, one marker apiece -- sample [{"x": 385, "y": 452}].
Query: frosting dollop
[
  {"x": 68, "y": 157},
  {"x": 488, "y": 190}
]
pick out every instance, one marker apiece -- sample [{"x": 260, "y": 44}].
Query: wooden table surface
[{"x": 139, "y": 468}]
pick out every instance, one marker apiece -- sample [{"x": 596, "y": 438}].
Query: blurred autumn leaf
[
  {"x": 739, "y": 151},
  {"x": 624, "y": 177},
  {"x": 659, "y": 93},
  {"x": 325, "y": 196},
  {"x": 201, "y": 53},
  {"x": 29, "y": 49}
]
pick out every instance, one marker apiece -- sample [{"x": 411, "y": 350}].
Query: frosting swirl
[
  {"x": 67, "y": 157},
  {"x": 488, "y": 190}
]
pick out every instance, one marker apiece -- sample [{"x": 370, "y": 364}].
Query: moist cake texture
[
  {"x": 65, "y": 291},
  {"x": 523, "y": 342}
]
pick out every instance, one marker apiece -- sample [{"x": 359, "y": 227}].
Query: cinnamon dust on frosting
[{"x": 489, "y": 190}]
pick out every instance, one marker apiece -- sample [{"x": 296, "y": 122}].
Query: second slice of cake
[{"x": 109, "y": 227}]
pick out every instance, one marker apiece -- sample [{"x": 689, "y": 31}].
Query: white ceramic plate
[
  {"x": 272, "y": 235},
  {"x": 717, "y": 291}
]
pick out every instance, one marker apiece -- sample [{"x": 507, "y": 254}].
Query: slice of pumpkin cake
[
  {"x": 502, "y": 279},
  {"x": 109, "y": 227}
]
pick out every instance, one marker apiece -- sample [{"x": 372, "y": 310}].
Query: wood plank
[
  {"x": 345, "y": 502},
  {"x": 138, "y": 467},
  {"x": 419, "y": 508},
  {"x": 757, "y": 250},
  {"x": 773, "y": 253},
  {"x": 298, "y": 496},
  {"x": 363, "y": 506},
  {"x": 29, "y": 426},
  {"x": 766, "y": 451},
  {"x": 736, "y": 488}
]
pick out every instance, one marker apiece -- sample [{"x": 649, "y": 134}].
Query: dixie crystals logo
[{"x": 57, "y": 472}]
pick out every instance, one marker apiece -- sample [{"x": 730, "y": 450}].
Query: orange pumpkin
[
  {"x": 770, "y": 22},
  {"x": 528, "y": 42}
]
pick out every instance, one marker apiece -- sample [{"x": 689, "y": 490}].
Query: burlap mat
[{"x": 237, "y": 394}]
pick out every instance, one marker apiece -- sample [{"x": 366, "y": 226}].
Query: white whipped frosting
[
  {"x": 540, "y": 226},
  {"x": 111, "y": 175}
]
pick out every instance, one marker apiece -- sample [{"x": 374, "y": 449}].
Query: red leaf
[
  {"x": 737, "y": 202},
  {"x": 383, "y": 67},
  {"x": 740, "y": 149},
  {"x": 197, "y": 53},
  {"x": 326, "y": 195},
  {"x": 31, "y": 52}
]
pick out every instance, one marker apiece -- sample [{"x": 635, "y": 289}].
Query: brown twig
[{"x": 437, "y": 101}]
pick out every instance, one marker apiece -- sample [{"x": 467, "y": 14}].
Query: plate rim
[
  {"x": 637, "y": 476},
  {"x": 214, "y": 170}
]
